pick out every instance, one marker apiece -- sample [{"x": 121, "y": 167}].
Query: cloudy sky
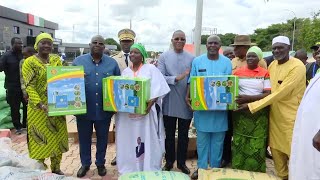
[{"x": 154, "y": 21}]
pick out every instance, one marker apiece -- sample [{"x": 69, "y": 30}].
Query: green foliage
[
  {"x": 204, "y": 39},
  {"x": 306, "y": 33},
  {"x": 226, "y": 39},
  {"x": 111, "y": 41}
]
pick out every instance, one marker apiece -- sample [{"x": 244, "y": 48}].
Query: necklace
[{"x": 45, "y": 61}]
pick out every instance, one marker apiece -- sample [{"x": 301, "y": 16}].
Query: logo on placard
[
  {"x": 53, "y": 71},
  {"x": 197, "y": 103},
  {"x": 229, "y": 83},
  {"x": 137, "y": 87}
]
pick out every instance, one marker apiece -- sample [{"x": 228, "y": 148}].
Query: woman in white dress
[{"x": 140, "y": 138}]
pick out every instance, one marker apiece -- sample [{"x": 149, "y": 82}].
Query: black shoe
[
  {"x": 184, "y": 168},
  {"x": 224, "y": 163},
  {"x": 18, "y": 132},
  {"x": 102, "y": 170},
  {"x": 59, "y": 172},
  {"x": 195, "y": 175},
  {"x": 83, "y": 171},
  {"x": 268, "y": 155},
  {"x": 114, "y": 161},
  {"x": 167, "y": 167}
]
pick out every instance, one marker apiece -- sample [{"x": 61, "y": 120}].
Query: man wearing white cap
[{"x": 287, "y": 76}]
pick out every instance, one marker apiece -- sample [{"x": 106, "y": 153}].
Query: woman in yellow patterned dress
[{"x": 47, "y": 136}]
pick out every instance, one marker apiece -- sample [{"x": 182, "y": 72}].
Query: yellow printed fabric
[
  {"x": 287, "y": 88},
  {"x": 48, "y": 136},
  {"x": 238, "y": 63}
]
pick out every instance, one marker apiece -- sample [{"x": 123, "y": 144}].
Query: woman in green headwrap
[
  {"x": 140, "y": 138},
  {"x": 47, "y": 136},
  {"x": 250, "y": 130}
]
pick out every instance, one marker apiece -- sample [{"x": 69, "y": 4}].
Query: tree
[
  {"x": 306, "y": 32},
  {"x": 204, "y": 39},
  {"x": 111, "y": 41},
  {"x": 226, "y": 39}
]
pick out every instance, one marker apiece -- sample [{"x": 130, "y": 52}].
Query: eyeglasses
[
  {"x": 181, "y": 39},
  {"x": 213, "y": 43},
  {"x": 97, "y": 43}
]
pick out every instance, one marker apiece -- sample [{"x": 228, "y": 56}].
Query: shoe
[
  {"x": 167, "y": 167},
  {"x": 83, "y": 171},
  {"x": 268, "y": 155},
  {"x": 184, "y": 168},
  {"x": 59, "y": 172},
  {"x": 18, "y": 132},
  {"x": 194, "y": 175},
  {"x": 114, "y": 161},
  {"x": 224, "y": 163},
  {"x": 102, "y": 170}
]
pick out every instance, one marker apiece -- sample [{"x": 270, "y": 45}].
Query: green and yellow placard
[
  {"x": 213, "y": 92},
  {"x": 66, "y": 90},
  {"x": 124, "y": 94}
]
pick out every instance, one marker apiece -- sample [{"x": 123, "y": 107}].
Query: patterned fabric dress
[
  {"x": 250, "y": 140},
  {"x": 48, "y": 136},
  {"x": 250, "y": 130}
]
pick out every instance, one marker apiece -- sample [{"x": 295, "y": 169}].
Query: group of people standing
[{"x": 268, "y": 102}]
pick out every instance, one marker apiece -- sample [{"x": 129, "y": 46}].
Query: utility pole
[
  {"x": 98, "y": 17},
  {"x": 130, "y": 23},
  {"x": 73, "y": 33},
  {"x": 198, "y": 27},
  {"x": 294, "y": 27}
]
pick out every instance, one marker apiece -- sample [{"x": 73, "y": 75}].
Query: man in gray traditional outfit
[{"x": 175, "y": 65}]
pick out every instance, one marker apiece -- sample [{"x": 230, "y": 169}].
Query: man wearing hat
[
  {"x": 314, "y": 66},
  {"x": 314, "y": 49},
  {"x": 241, "y": 45},
  {"x": 287, "y": 76},
  {"x": 126, "y": 38}
]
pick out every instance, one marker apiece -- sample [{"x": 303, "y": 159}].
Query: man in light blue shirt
[
  {"x": 211, "y": 125},
  {"x": 96, "y": 67}
]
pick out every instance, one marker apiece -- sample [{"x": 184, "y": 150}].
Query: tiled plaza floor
[{"x": 71, "y": 160}]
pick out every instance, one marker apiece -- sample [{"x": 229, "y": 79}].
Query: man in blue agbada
[{"x": 211, "y": 125}]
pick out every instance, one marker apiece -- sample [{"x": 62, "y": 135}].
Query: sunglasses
[
  {"x": 97, "y": 43},
  {"x": 181, "y": 39}
]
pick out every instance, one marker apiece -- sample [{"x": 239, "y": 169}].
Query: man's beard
[{"x": 279, "y": 57}]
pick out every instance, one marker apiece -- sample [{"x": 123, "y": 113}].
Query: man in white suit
[{"x": 126, "y": 38}]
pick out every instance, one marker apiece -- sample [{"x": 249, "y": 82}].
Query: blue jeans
[{"x": 85, "y": 129}]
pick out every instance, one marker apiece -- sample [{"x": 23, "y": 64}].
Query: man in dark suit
[{"x": 139, "y": 148}]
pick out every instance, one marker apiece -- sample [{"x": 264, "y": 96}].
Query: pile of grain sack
[
  {"x": 19, "y": 166},
  {"x": 5, "y": 118}
]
